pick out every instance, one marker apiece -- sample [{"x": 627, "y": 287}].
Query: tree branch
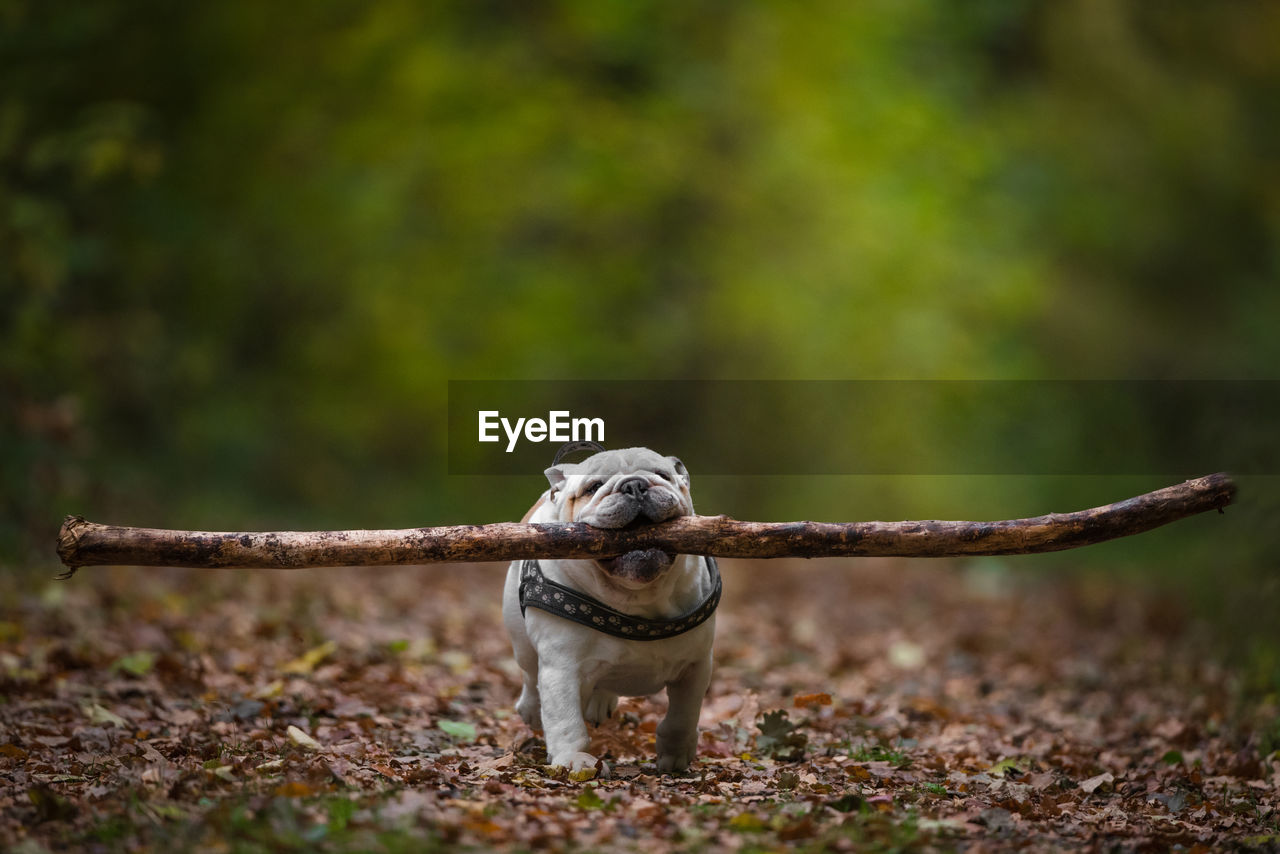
[{"x": 82, "y": 543}]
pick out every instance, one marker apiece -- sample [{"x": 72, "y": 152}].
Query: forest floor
[{"x": 868, "y": 705}]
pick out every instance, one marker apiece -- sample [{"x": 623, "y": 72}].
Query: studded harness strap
[{"x": 538, "y": 591}]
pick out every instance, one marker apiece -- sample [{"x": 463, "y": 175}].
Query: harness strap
[{"x": 538, "y": 591}]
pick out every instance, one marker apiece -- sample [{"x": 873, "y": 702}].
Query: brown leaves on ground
[{"x": 856, "y": 704}]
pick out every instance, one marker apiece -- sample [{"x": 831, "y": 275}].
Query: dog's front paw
[{"x": 580, "y": 763}]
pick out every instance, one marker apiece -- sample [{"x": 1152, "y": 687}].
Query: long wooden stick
[{"x": 82, "y": 543}]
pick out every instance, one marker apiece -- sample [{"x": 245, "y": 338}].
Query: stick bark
[{"x": 82, "y": 543}]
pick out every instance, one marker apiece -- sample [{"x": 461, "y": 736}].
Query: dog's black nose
[{"x": 634, "y": 486}]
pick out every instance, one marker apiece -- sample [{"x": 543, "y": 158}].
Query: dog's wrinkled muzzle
[{"x": 634, "y": 502}]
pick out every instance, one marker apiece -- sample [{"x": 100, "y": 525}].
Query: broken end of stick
[
  {"x": 68, "y": 539},
  {"x": 1223, "y": 486},
  {"x": 1227, "y": 491}
]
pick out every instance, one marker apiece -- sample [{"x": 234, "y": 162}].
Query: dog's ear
[
  {"x": 555, "y": 477},
  {"x": 682, "y": 473}
]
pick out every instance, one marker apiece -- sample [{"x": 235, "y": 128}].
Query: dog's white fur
[{"x": 574, "y": 674}]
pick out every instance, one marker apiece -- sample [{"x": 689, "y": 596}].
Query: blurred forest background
[{"x": 245, "y": 245}]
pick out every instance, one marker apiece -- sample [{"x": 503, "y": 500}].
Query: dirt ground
[{"x": 868, "y": 705}]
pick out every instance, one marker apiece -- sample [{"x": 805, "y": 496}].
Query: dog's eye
[{"x": 591, "y": 488}]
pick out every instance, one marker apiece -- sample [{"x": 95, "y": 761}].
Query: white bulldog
[{"x": 573, "y": 673}]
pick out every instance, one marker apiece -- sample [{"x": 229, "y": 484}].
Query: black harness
[{"x": 538, "y": 591}]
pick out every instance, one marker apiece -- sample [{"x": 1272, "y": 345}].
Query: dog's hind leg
[
  {"x": 600, "y": 707},
  {"x": 678, "y": 732},
  {"x": 530, "y": 704}
]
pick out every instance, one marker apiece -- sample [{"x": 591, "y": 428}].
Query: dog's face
[{"x": 617, "y": 489}]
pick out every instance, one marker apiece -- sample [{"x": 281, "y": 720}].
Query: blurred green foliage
[{"x": 246, "y": 244}]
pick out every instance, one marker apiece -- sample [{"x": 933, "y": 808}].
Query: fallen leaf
[
  {"x": 1094, "y": 783},
  {"x": 307, "y": 662},
  {"x": 996, "y": 819},
  {"x": 301, "y": 739},
  {"x": 457, "y": 661},
  {"x": 1003, "y": 767},
  {"x": 270, "y": 690},
  {"x": 13, "y": 751},
  {"x": 779, "y": 737},
  {"x": 749, "y": 710},
  {"x": 98, "y": 715},
  {"x": 846, "y": 803},
  {"x": 294, "y": 789},
  {"x": 1174, "y": 802},
  {"x": 1041, "y": 781},
  {"x": 589, "y": 799},
  {"x": 136, "y": 663},
  {"x": 748, "y": 821},
  {"x": 906, "y": 655},
  {"x": 460, "y": 730},
  {"x": 50, "y": 806},
  {"x": 57, "y": 778},
  {"x": 497, "y": 763}
]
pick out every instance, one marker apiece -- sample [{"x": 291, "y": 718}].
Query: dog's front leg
[
  {"x": 678, "y": 732},
  {"x": 562, "y": 723}
]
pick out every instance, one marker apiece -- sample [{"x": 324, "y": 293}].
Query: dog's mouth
[{"x": 640, "y": 566}]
